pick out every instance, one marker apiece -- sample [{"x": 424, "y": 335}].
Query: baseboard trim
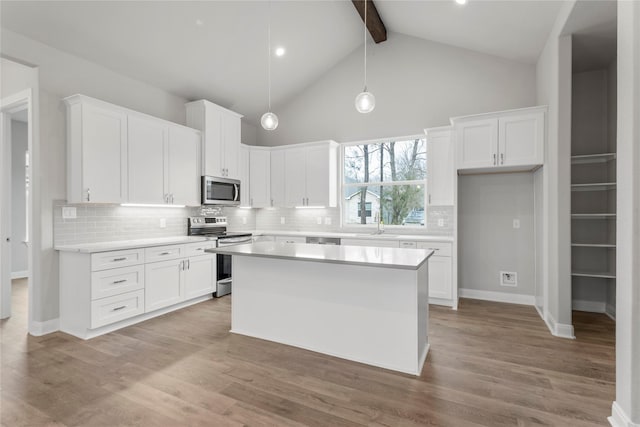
[
  {"x": 38, "y": 329},
  {"x": 560, "y": 330},
  {"x": 589, "y": 306},
  {"x": 19, "y": 274},
  {"x": 619, "y": 418},
  {"x": 610, "y": 310},
  {"x": 497, "y": 296}
]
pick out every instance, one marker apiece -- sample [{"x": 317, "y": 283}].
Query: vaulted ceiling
[{"x": 218, "y": 49}]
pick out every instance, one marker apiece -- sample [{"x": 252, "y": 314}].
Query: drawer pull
[
  {"x": 120, "y": 259},
  {"x": 119, "y": 308},
  {"x": 119, "y": 281},
  {"x": 165, "y": 253}
]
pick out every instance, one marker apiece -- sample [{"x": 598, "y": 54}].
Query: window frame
[{"x": 343, "y": 185}]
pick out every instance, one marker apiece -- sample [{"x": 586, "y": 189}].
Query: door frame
[{"x": 22, "y": 100}]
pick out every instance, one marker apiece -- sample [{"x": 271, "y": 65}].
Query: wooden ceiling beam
[{"x": 374, "y": 22}]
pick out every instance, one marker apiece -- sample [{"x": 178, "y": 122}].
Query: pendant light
[
  {"x": 269, "y": 120},
  {"x": 365, "y": 101}
]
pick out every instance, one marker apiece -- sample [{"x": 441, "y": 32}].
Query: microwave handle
[{"x": 236, "y": 192}]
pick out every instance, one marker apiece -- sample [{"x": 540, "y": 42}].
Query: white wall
[
  {"x": 61, "y": 75},
  {"x": 19, "y": 146},
  {"x": 416, "y": 83},
  {"x": 626, "y": 409},
  {"x": 553, "y": 74},
  {"x": 488, "y": 243}
]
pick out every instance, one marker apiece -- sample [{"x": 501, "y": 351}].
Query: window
[
  {"x": 385, "y": 179},
  {"x": 367, "y": 207}
]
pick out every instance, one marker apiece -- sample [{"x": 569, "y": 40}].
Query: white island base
[{"x": 367, "y": 313}]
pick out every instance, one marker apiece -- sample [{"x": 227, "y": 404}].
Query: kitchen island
[{"x": 365, "y": 304}]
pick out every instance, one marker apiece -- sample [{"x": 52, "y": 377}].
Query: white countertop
[
  {"x": 128, "y": 244},
  {"x": 387, "y": 235},
  {"x": 406, "y": 259}
]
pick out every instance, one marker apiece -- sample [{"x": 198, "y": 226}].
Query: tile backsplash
[{"x": 100, "y": 223}]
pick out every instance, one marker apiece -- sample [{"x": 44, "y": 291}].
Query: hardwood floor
[{"x": 490, "y": 364}]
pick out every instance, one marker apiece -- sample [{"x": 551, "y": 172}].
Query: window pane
[
  {"x": 405, "y": 160},
  {"x": 362, "y": 163},
  {"x": 403, "y": 205}
]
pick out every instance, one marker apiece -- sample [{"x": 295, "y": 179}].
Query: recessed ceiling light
[
  {"x": 461, "y": 1},
  {"x": 280, "y": 51}
]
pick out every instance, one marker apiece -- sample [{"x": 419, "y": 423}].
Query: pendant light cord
[
  {"x": 269, "y": 53},
  {"x": 365, "y": 45}
]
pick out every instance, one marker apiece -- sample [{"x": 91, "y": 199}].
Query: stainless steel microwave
[{"x": 220, "y": 191}]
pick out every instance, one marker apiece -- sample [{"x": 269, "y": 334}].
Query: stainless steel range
[{"x": 215, "y": 228}]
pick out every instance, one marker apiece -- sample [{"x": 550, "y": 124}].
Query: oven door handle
[{"x": 225, "y": 281}]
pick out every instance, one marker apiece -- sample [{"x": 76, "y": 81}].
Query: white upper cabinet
[
  {"x": 277, "y": 184},
  {"x": 259, "y": 177},
  {"x": 310, "y": 177},
  {"x": 118, "y": 155},
  {"x": 96, "y": 152},
  {"x": 183, "y": 166},
  {"x": 146, "y": 154},
  {"x": 505, "y": 141},
  {"x": 295, "y": 177},
  {"x": 221, "y": 137},
  {"x": 440, "y": 166},
  {"x": 243, "y": 165}
]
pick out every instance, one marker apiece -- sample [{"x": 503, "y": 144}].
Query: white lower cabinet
[
  {"x": 441, "y": 289},
  {"x": 164, "y": 284},
  {"x": 101, "y": 289},
  {"x": 200, "y": 276}
]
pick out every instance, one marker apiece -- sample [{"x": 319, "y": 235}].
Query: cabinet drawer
[
  {"x": 440, "y": 248},
  {"x": 114, "y": 259},
  {"x": 407, "y": 244},
  {"x": 162, "y": 253},
  {"x": 116, "y": 281},
  {"x": 119, "y": 307},
  {"x": 196, "y": 249}
]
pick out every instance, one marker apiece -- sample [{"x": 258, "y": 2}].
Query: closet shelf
[
  {"x": 593, "y": 245},
  {"x": 600, "y": 275},
  {"x": 596, "y": 186},
  {"x": 594, "y": 216},
  {"x": 593, "y": 158}
]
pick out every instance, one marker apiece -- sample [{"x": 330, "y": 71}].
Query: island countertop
[{"x": 405, "y": 259}]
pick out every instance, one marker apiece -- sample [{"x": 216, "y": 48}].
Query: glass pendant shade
[
  {"x": 269, "y": 121},
  {"x": 365, "y": 102}
]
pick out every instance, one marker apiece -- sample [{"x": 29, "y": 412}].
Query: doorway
[{"x": 15, "y": 212}]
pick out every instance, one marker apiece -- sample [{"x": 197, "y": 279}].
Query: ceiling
[{"x": 218, "y": 49}]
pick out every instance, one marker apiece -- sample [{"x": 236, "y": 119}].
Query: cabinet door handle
[
  {"x": 494, "y": 158},
  {"x": 119, "y": 281},
  {"x": 271, "y": 202},
  {"x": 251, "y": 203},
  {"x": 502, "y": 158},
  {"x": 88, "y": 194},
  {"x": 119, "y": 308},
  {"x": 188, "y": 264},
  {"x": 120, "y": 259},
  {"x": 429, "y": 198}
]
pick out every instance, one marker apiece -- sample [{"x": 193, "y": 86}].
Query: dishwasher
[{"x": 324, "y": 240}]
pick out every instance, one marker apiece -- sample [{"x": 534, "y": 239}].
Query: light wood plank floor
[{"x": 490, "y": 364}]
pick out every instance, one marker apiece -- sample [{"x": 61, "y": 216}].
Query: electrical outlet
[
  {"x": 282, "y": 220},
  {"x": 319, "y": 220},
  {"x": 69, "y": 212},
  {"x": 327, "y": 220},
  {"x": 440, "y": 222},
  {"x": 508, "y": 278},
  {"x": 516, "y": 223},
  {"x": 163, "y": 223}
]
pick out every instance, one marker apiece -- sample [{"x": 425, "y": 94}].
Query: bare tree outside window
[{"x": 390, "y": 177}]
